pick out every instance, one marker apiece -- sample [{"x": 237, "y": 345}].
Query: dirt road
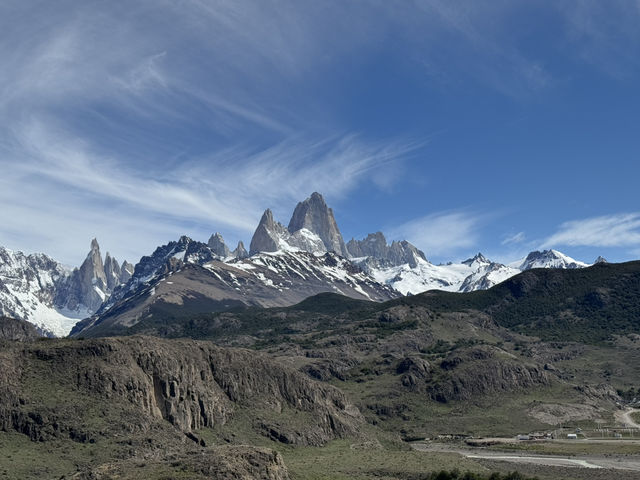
[
  {"x": 624, "y": 417},
  {"x": 629, "y": 463}
]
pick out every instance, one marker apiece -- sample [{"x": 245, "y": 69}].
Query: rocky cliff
[{"x": 191, "y": 385}]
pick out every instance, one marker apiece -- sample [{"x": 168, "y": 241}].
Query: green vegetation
[
  {"x": 566, "y": 448},
  {"x": 343, "y": 459}
]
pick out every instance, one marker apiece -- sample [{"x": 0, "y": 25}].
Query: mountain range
[{"x": 284, "y": 265}]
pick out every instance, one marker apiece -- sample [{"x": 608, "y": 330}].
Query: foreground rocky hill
[{"x": 136, "y": 397}]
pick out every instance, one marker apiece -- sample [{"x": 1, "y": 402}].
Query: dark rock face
[
  {"x": 314, "y": 215},
  {"x": 380, "y": 254},
  {"x": 186, "y": 383},
  {"x": 217, "y": 245},
  {"x": 166, "y": 258},
  {"x": 17, "y": 330},
  {"x": 479, "y": 371},
  {"x": 414, "y": 372}
]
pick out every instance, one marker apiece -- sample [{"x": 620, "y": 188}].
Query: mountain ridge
[{"x": 307, "y": 257}]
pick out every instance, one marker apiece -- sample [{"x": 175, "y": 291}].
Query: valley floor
[{"x": 567, "y": 466}]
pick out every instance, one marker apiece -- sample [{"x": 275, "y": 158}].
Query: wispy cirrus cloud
[
  {"x": 443, "y": 234},
  {"x": 225, "y": 191},
  {"x": 617, "y": 230},
  {"x": 514, "y": 239}
]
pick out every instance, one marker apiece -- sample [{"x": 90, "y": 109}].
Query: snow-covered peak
[
  {"x": 478, "y": 260},
  {"x": 547, "y": 259}
]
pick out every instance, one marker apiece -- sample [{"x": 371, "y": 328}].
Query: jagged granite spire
[
  {"x": 217, "y": 245},
  {"x": 375, "y": 247},
  {"x": 479, "y": 258},
  {"x": 314, "y": 215},
  {"x": 240, "y": 252},
  {"x": 126, "y": 270},
  {"x": 87, "y": 286},
  {"x": 268, "y": 234},
  {"x": 112, "y": 272}
]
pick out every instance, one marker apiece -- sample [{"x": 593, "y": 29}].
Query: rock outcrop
[
  {"x": 17, "y": 330},
  {"x": 481, "y": 371},
  {"x": 189, "y": 384},
  {"x": 112, "y": 272},
  {"x": 228, "y": 462},
  {"x": 240, "y": 252},
  {"x": 312, "y": 228},
  {"x": 269, "y": 235},
  {"x": 126, "y": 271},
  {"x": 217, "y": 245},
  {"x": 380, "y": 254}
]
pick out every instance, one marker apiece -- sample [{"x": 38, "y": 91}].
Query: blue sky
[{"x": 466, "y": 126}]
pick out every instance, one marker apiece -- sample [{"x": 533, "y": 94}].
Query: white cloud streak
[
  {"x": 442, "y": 233},
  {"x": 514, "y": 239},
  {"x": 226, "y": 191},
  {"x": 618, "y": 230}
]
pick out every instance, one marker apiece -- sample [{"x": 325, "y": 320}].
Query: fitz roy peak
[
  {"x": 312, "y": 228},
  {"x": 315, "y": 216}
]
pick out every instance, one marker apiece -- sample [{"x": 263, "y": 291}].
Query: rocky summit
[{"x": 314, "y": 215}]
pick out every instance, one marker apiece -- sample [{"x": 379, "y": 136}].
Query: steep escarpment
[{"x": 48, "y": 386}]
